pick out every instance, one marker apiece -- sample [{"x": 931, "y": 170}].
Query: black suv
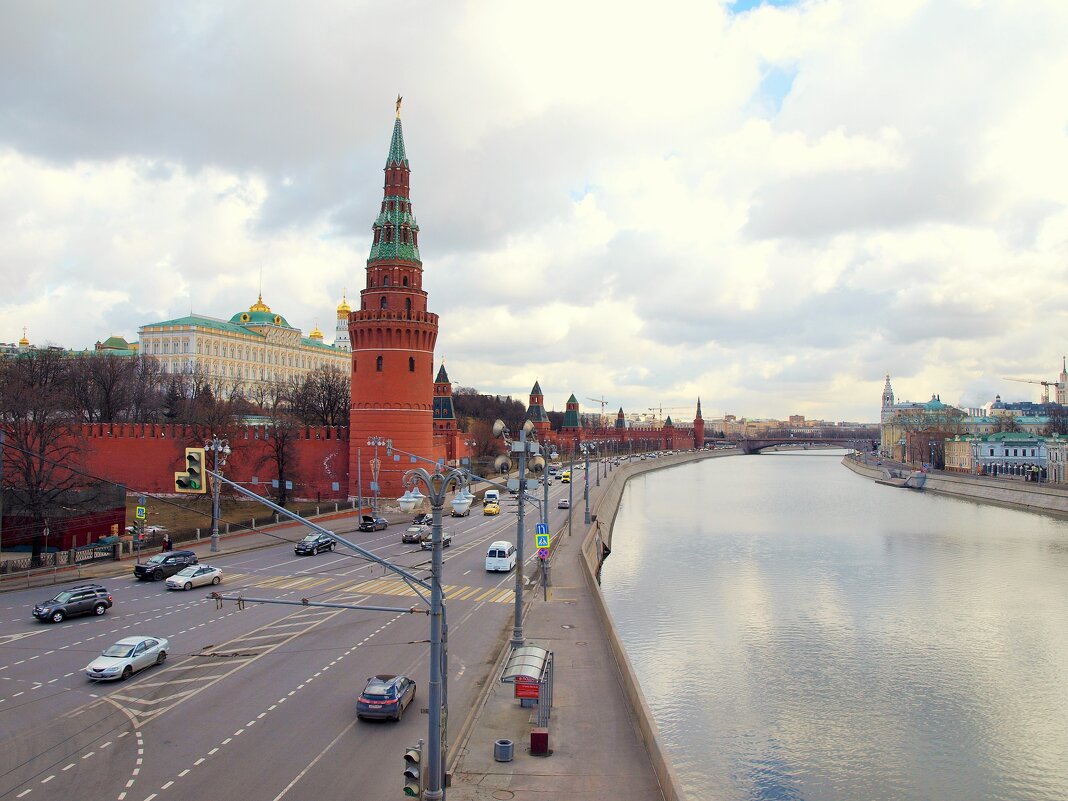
[
  {"x": 372, "y": 523},
  {"x": 82, "y": 600},
  {"x": 164, "y": 564},
  {"x": 425, "y": 519},
  {"x": 314, "y": 543}
]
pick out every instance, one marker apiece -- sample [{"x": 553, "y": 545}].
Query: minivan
[
  {"x": 500, "y": 556},
  {"x": 492, "y": 496}
]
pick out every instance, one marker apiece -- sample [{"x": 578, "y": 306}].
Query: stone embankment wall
[
  {"x": 593, "y": 553},
  {"x": 1016, "y": 494}
]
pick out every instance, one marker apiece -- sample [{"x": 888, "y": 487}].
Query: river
[{"x": 801, "y": 632}]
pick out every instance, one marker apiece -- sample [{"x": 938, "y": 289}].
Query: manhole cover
[{"x": 503, "y": 795}]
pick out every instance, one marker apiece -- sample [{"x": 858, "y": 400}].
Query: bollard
[{"x": 198, "y": 535}]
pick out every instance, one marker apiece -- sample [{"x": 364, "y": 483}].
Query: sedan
[
  {"x": 464, "y": 513},
  {"x": 563, "y": 503},
  {"x": 194, "y": 576},
  {"x": 424, "y": 519},
  {"x": 127, "y": 656},
  {"x": 491, "y": 509},
  {"x": 427, "y": 543},
  {"x": 385, "y": 696},
  {"x": 369, "y": 523},
  {"x": 415, "y": 533},
  {"x": 313, "y": 544}
]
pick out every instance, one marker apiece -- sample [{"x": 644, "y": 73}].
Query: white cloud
[{"x": 608, "y": 201}]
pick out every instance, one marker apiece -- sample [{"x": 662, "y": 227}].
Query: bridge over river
[{"x": 862, "y": 439}]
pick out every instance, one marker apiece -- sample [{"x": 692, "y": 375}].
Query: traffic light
[
  {"x": 191, "y": 481},
  {"x": 413, "y": 780}
]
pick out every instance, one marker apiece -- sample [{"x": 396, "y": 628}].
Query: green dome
[{"x": 260, "y": 318}]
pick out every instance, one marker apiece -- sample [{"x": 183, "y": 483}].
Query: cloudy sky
[{"x": 767, "y": 205}]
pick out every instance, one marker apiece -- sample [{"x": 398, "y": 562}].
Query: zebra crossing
[{"x": 380, "y": 586}]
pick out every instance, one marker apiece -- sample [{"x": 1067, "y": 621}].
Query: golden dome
[
  {"x": 24, "y": 342},
  {"x": 343, "y": 308},
  {"x": 259, "y": 305},
  {"x": 316, "y": 333}
]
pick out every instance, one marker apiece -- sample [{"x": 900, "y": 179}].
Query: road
[{"x": 258, "y": 702}]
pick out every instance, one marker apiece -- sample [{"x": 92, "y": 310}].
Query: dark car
[
  {"x": 427, "y": 543},
  {"x": 415, "y": 533},
  {"x": 369, "y": 523},
  {"x": 425, "y": 519},
  {"x": 164, "y": 564},
  {"x": 313, "y": 544},
  {"x": 82, "y": 600},
  {"x": 385, "y": 696}
]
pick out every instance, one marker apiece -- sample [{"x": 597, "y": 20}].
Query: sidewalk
[{"x": 596, "y": 741}]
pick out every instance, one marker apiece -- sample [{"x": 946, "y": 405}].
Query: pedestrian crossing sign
[
  {"x": 541, "y": 540},
  {"x": 140, "y": 513}
]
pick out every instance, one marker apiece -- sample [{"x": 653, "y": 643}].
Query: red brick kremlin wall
[{"x": 146, "y": 457}]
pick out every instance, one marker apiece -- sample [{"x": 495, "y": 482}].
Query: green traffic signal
[
  {"x": 192, "y": 480},
  {"x": 413, "y": 785}
]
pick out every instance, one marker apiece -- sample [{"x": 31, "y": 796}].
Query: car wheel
[
  {"x": 157, "y": 576},
  {"x": 100, "y": 609},
  {"x": 161, "y": 658},
  {"x": 400, "y": 712},
  {"x": 332, "y": 544},
  {"x": 216, "y": 580},
  {"x": 57, "y": 617},
  {"x": 127, "y": 672},
  {"x": 187, "y": 586}
]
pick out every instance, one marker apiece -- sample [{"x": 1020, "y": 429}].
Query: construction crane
[
  {"x": 1045, "y": 386},
  {"x": 661, "y": 409},
  {"x": 603, "y": 403}
]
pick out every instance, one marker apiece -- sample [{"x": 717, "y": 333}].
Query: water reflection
[{"x": 802, "y": 633}]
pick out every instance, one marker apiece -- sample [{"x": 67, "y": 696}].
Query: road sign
[
  {"x": 541, "y": 541},
  {"x": 541, "y": 528},
  {"x": 140, "y": 514},
  {"x": 543, "y": 553}
]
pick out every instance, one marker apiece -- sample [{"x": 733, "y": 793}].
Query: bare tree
[
  {"x": 36, "y": 414},
  {"x": 102, "y": 387}
]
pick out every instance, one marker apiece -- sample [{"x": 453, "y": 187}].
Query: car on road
[
  {"x": 491, "y": 509},
  {"x": 194, "y": 576},
  {"x": 500, "y": 556},
  {"x": 127, "y": 656},
  {"x": 563, "y": 503},
  {"x": 164, "y": 564},
  {"x": 424, "y": 519},
  {"x": 464, "y": 513},
  {"x": 372, "y": 523},
  {"x": 427, "y": 542},
  {"x": 84, "y": 599},
  {"x": 415, "y": 533},
  {"x": 385, "y": 696},
  {"x": 313, "y": 544}
]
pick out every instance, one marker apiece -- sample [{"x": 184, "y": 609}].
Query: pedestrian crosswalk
[{"x": 380, "y": 586}]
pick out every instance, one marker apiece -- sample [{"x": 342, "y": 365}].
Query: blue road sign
[{"x": 541, "y": 528}]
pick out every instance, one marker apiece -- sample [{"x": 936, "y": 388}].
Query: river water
[{"x": 801, "y": 632}]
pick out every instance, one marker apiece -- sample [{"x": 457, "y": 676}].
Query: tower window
[
  {"x": 411, "y": 364},
  {"x": 408, "y": 305},
  {"x": 378, "y": 364},
  {"x": 382, "y": 303},
  {"x": 404, "y": 281},
  {"x": 385, "y": 280}
]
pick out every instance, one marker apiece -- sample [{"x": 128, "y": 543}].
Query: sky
[{"x": 767, "y": 205}]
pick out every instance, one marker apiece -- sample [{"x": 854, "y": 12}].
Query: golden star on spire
[{"x": 399, "y": 100}]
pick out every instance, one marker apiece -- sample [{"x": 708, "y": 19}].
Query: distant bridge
[{"x": 853, "y": 439}]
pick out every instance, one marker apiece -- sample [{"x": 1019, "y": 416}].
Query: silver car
[
  {"x": 194, "y": 576},
  {"x": 126, "y": 657}
]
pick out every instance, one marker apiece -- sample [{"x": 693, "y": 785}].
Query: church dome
[
  {"x": 24, "y": 341},
  {"x": 343, "y": 308},
  {"x": 259, "y": 313},
  {"x": 316, "y": 333}
]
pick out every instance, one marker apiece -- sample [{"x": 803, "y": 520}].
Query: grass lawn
[{"x": 186, "y": 514}]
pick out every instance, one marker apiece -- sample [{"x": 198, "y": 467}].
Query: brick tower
[
  {"x": 536, "y": 410},
  {"x": 699, "y": 428},
  {"x": 393, "y": 337}
]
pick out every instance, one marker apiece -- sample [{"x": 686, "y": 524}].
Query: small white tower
[
  {"x": 888, "y": 401},
  {"x": 1062, "y": 385},
  {"x": 341, "y": 329}
]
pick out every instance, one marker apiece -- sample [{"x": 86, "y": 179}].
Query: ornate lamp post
[
  {"x": 221, "y": 449},
  {"x": 437, "y": 485},
  {"x": 375, "y": 464}
]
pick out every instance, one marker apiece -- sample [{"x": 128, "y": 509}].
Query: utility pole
[{"x": 1, "y": 499}]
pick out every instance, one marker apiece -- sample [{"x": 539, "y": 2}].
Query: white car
[
  {"x": 194, "y": 576},
  {"x": 126, "y": 657},
  {"x": 563, "y": 503}
]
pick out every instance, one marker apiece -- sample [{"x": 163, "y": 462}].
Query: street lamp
[
  {"x": 221, "y": 449},
  {"x": 586, "y": 448},
  {"x": 375, "y": 464},
  {"x": 521, "y": 448},
  {"x": 437, "y": 486}
]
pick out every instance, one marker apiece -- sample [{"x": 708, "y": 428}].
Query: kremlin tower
[
  {"x": 699, "y": 428},
  {"x": 341, "y": 328},
  {"x": 392, "y": 337}
]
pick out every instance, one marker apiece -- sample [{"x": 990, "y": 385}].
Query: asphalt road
[{"x": 254, "y": 703}]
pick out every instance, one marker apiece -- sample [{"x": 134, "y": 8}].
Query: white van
[
  {"x": 500, "y": 556},
  {"x": 492, "y": 496}
]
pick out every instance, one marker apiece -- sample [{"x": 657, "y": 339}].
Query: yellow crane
[
  {"x": 1045, "y": 385},
  {"x": 661, "y": 410},
  {"x": 603, "y": 403}
]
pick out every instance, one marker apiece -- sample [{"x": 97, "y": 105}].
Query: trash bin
[{"x": 503, "y": 750}]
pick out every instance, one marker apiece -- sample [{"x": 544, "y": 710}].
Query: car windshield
[
  {"x": 189, "y": 571},
  {"x": 157, "y": 559},
  {"x": 311, "y": 538},
  {"x": 62, "y": 598},
  {"x": 119, "y": 650}
]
